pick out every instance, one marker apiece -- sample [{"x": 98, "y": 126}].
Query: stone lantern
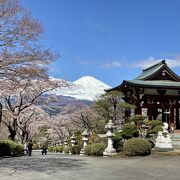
[
  {"x": 109, "y": 151},
  {"x": 65, "y": 144},
  {"x": 60, "y": 143},
  {"x": 85, "y": 139},
  {"x": 73, "y": 140}
]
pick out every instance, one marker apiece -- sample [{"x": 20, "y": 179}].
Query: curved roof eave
[{"x": 115, "y": 88}]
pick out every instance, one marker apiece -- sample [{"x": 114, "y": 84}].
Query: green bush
[
  {"x": 138, "y": 119},
  {"x": 157, "y": 123},
  {"x": 87, "y": 149},
  {"x": 66, "y": 150},
  {"x": 5, "y": 149},
  {"x": 55, "y": 149},
  {"x": 94, "y": 138},
  {"x": 129, "y": 131},
  {"x": 59, "y": 149},
  {"x": 137, "y": 147},
  {"x": 75, "y": 149},
  {"x": 154, "y": 130},
  {"x": 50, "y": 149},
  {"x": 95, "y": 149},
  {"x": 10, "y": 148},
  {"x": 117, "y": 141},
  {"x": 98, "y": 149}
]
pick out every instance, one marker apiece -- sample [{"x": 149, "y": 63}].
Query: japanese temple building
[{"x": 156, "y": 93}]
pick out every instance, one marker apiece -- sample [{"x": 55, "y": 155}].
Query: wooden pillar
[
  {"x": 163, "y": 116},
  {"x": 138, "y": 109},
  {"x": 177, "y": 115},
  {"x": 177, "y": 118},
  {"x": 150, "y": 114}
]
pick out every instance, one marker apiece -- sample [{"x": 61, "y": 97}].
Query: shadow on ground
[{"x": 46, "y": 164}]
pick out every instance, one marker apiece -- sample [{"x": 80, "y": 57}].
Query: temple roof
[
  {"x": 158, "y": 76},
  {"x": 154, "y": 69},
  {"x": 156, "y": 84},
  {"x": 150, "y": 70}
]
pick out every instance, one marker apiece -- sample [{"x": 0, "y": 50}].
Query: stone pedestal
[
  {"x": 163, "y": 140},
  {"x": 73, "y": 141},
  {"x": 65, "y": 146},
  {"x": 85, "y": 139},
  {"x": 109, "y": 151}
]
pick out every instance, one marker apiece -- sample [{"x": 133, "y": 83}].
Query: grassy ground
[
  {"x": 175, "y": 152},
  {"x": 166, "y": 153}
]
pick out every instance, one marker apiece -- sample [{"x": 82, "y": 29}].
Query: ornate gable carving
[{"x": 164, "y": 74}]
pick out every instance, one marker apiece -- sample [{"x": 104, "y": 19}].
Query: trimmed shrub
[
  {"x": 157, "y": 123},
  {"x": 98, "y": 149},
  {"x": 117, "y": 141},
  {"x": 10, "y": 148},
  {"x": 129, "y": 131},
  {"x": 154, "y": 130},
  {"x": 137, "y": 147},
  {"x": 87, "y": 149},
  {"x": 59, "y": 149},
  {"x": 50, "y": 149},
  {"x": 75, "y": 149},
  {"x": 5, "y": 149},
  {"x": 66, "y": 150},
  {"x": 94, "y": 138},
  {"x": 55, "y": 149},
  {"x": 95, "y": 149}
]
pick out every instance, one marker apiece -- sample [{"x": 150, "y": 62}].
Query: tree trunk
[
  {"x": 0, "y": 113},
  {"x": 12, "y": 133},
  {"x": 13, "y": 129}
]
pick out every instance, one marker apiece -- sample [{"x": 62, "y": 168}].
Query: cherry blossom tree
[
  {"x": 81, "y": 116},
  {"x": 23, "y": 64}
]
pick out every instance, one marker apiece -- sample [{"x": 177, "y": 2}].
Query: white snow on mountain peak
[{"x": 87, "y": 87}]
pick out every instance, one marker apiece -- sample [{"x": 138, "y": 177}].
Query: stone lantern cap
[
  {"x": 110, "y": 125},
  {"x": 85, "y": 133},
  {"x": 65, "y": 143},
  {"x": 73, "y": 137}
]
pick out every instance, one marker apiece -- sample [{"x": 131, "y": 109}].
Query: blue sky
[{"x": 111, "y": 40}]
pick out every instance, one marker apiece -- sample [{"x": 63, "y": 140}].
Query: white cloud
[
  {"x": 151, "y": 61},
  {"x": 111, "y": 64}
]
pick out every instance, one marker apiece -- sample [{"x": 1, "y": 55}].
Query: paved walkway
[{"x": 68, "y": 167}]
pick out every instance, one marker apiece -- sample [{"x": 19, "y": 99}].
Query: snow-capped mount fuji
[{"x": 85, "y": 88}]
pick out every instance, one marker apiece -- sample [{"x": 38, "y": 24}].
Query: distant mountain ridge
[
  {"x": 85, "y": 88},
  {"x": 55, "y": 107}
]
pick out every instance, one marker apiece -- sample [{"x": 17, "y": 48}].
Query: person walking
[
  {"x": 30, "y": 144},
  {"x": 44, "y": 149}
]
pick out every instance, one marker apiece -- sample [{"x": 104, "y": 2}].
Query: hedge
[
  {"x": 137, "y": 147},
  {"x": 95, "y": 149},
  {"x": 10, "y": 148}
]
